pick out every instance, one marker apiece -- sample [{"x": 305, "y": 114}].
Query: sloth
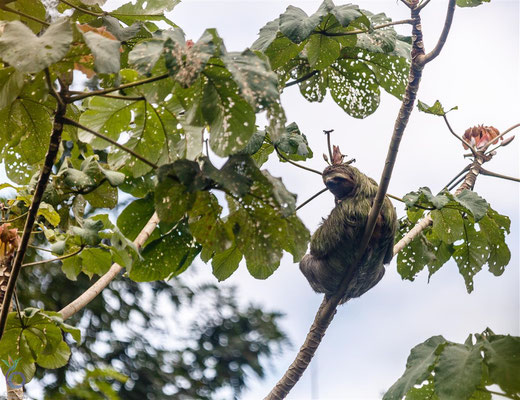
[{"x": 335, "y": 243}]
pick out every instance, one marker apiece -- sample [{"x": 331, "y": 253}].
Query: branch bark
[
  {"x": 45, "y": 173},
  {"x": 89, "y": 295}
]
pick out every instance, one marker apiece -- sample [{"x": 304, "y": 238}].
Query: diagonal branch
[
  {"x": 501, "y": 135},
  {"x": 54, "y": 259},
  {"x": 112, "y": 141},
  {"x": 45, "y": 173},
  {"x": 89, "y": 295},
  {"x": 328, "y": 306},
  {"x": 468, "y": 145},
  {"x": 444, "y": 34},
  {"x": 84, "y": 95},
  {"x": 294, "y": 163}
]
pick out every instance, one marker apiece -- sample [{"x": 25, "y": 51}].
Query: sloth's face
[{"x": 340, "y": 183}]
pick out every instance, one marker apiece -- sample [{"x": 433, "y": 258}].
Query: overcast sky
[{"x": 366, "y": 346}]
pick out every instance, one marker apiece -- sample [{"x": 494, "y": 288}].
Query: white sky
[{"x": 366, "y": 346}]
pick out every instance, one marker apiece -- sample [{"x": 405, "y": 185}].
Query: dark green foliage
[
  {"x": 464, "y": 228},
  {"x": 442, "y": 370}
]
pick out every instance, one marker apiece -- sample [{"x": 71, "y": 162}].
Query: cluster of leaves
[
  {"x": 338, "y": 49},
  {"x": 464, "y": 228},
  {"x": 261, "y": 222},
  {"x": 36, "y": 338},
  {"x": 439, "y": 369}
]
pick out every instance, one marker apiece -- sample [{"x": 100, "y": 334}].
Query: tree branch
[
  {"x": 302, "y": 78},
  {"x": 83, "y": 10},
  {"x": 311, "y": 198},
  {"x": 53, "y": 259},
  {"x": 494, "y": 174},
  {"x": 45, "y": 173},
  {"x": 328, "y": 306},
  {"x": 112, "y": 141},
  {"x": 21, "y": 14},
  {"x": 89, "y": 295},
  {"x": 444, "y": 34},
  {"x": 84, "y": 95},
  {"x": 295, "y": 164}
]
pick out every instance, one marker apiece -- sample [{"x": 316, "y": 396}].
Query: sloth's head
[{"x": 340, "y": 178}]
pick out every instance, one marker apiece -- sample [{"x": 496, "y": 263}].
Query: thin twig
[
  {"x": 130, "y": 98},
  {"x": 18, "y": 308},
  {"x": 89, "y": 295},
  {"x": 52, "y": 90},
  {"x": 115, "y": 89},
  {"x": 357, "y": 31},
  {"x": 40, "y": 248},
  {"x": 423, "y": 4},
  {"x": 112, "y": 141},
  {"x": 501, "y": 135},
  {"x": 53, "y": 259},
  {"x": 83, "y": 10},
  {"x": 21, "y": 14},
  {"x": 456, "y": 176},
  {"x": 50, "y": 157},
  {"x": 311, "y": 198},
  {"x": 328, "y": 142},
  {"x": 296, "y": 164},
  {"x": 490, "y": 173},
  {"x": 471, "y": 148},
  {"x": 14, "y": 219},
  {"x": 302, "y": 78},
  {"x": 444, "y": 34},
  {"x": 395, "y": 197}
]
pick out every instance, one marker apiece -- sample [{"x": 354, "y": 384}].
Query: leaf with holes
[
  {"x": 166, "y": 257},
  {"x": 29, "y": 53}
]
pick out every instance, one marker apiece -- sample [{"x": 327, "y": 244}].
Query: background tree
[{"x": 363, "y": 56}]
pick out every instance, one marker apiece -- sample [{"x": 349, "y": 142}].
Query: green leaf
[
  {"x": 11, "y": 83},
  {"x": 29, "y": 53},
  {"x": 104, "y": 196},
  {"x": 424, "y": 197},
  {"x": 95, "y": 261},
  {"x": 414, "y": 257},
  {"x": 145, "y": 54},
  {"x": 436, "y": 109},
  {"x": 258, "y": 84},
  {"x": 266, "y": 36},
  {"x": 185, "y": 63},
  {"x": 471, "y": 254},
  {"x": 297, "y": 25},
  {"x": 322, "y": 51},
  {"x": 49, "y": 213},
  {"x": 378, "y": 40},
  {"x": 206, "y": 226},
  {"x": 144, "y": 10},
  {"x": 122, "y": 34},
  {"x": 458, "y": 372},
  {"x": 135, "y": 216},
  {"x": 225, "y": 263},
  {"x": 57, "y": 359},
  {"x": 424, "y": 392},
  {"x": 281, "y": 51},
  {"x": 448, "y": 225},
  {"x": 293, "y": 144},
  {"x": 166, "y": 257},
  {"x": 418, "y": 367},
  {"x": 113, "y": 177},
  {"x": 172, "y": 200},
  {"x": 502, "y": 356},
  {"x": 473, "y": 202},
  {"x": 89, "y": 233},
  {"x": 471, "y": 3},
  {"x": 231, "y": 119},
  {"x": 106, "y": 52}
]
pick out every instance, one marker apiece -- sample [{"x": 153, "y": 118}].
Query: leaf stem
[
  {"x": 294, "y": 163},
  {"x": 21, "y": 14},
  {"x": 112, "y": 141},
  {"x": 311, "y": 198},
  {"x": 357, "y": 31},
  {"x": 494, "y": 174},
  {"x": 84, "y": 95},
  {"x": 456, "y": 176},
  {"x": 15, "y": 218},
  {"x": 53, "y": 259},
  {"x": 302, "y": 78},
  {"x": 328, "y": 142},
  {"x": 471, "y": 148},
  {"x": 444, "y": 34},
  {"x": 83, "y": 10}
]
